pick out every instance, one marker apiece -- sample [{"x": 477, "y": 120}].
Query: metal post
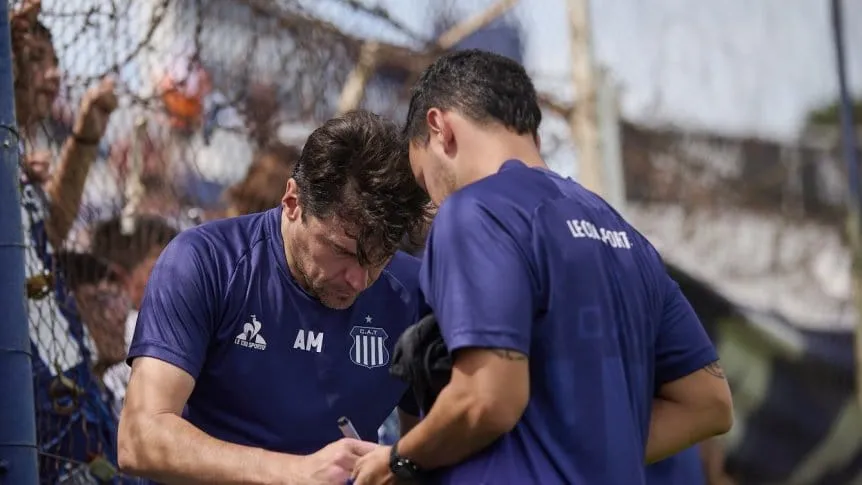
[
  {"x": 854, "y": 197},
  {"x": 18, "y": 456},
  {"x": 583, "y": 122},
  {"x": 610, "y": 137}
]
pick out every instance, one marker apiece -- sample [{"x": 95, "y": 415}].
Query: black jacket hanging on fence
[{"x": 422, "y": 360}]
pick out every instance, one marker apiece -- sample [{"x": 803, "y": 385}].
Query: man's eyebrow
[{"x": 340, "y": 248}]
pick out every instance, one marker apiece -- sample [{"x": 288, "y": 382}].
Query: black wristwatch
[{"x": 403, "y": 468}]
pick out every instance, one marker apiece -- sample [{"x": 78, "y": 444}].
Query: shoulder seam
[
  {"x": 241, "y": 260},
  {"x": 390, "y": 274}
]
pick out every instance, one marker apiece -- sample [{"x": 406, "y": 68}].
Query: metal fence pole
[
  {"x": 18, "y": 456},
  {"x": 854, "y": 197}
]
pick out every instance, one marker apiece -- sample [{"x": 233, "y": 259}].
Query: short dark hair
[
  {"x": 355, "y": 168},
  {"x": 149, "y": 233},
  {"x": 481, "y": 85}
]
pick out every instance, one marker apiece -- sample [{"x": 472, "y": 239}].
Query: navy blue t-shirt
[
  {"x": 684, "y": 468},
  {"x": 528, "y": 261},
  {"x": 273, "y": 367}
]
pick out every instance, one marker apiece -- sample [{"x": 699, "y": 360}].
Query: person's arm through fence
[{"x": 66, "y": 187}]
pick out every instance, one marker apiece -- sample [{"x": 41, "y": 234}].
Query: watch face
[
  {"x": 400, "y": 470},
  {"x": 401, "y": 467}
]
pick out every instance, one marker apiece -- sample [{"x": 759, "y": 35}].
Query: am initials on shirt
[{"x": 307, "y": 340}]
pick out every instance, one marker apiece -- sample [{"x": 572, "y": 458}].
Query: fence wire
[{"x": 140, "y": 118}]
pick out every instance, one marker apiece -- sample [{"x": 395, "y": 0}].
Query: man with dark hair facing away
[
  {"x": 257, "y": 333},
  {"x": 576, "y": 358}
]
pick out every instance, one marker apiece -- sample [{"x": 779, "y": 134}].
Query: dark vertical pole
[
  {"x": 854, "y": 203},
  {"x": 848, "y": 128},
  {"x": 17, "y": 413}
]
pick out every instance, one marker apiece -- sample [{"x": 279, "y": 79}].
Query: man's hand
[
  {"x": 334, "y": 464},
  {"x": 373, "y": 468},
  {"x": 96, "y": 107}
]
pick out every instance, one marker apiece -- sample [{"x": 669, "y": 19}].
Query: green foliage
[{"x": 831, "y": 114}]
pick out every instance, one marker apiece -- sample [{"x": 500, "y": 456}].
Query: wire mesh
[
  {"x": 202, "y": 88},
  {"x": 138, "y": 118},
  {"x": 206, "y": 88}
]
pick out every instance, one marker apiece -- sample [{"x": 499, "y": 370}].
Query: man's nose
[{"x": 357, "y": 277}]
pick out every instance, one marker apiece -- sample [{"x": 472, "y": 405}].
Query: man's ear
[
  {"x": 437, "y": 125},
  {"x": 290, "y": 200},
  {"x": 440, "y": 130}
]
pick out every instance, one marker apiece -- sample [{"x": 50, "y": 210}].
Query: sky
[
  {"x": 733, "y": 67},
  {"x": 736, "y": 67}
]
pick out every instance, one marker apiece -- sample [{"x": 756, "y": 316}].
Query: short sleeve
[
  {"x": 176, "y": 319},
  {"x": 682, "y": 345},
  {"x": 476, "y": 280}
]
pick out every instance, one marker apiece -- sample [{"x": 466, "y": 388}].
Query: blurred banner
[{"x": 797, "y": 421}]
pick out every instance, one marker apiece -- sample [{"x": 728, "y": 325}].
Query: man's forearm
[
  {"x": 66, "y": 187},
  {"x": 675, "y": 427},
  {"x": 170, "y": 450},
  {"x": 456, "y": 428}
]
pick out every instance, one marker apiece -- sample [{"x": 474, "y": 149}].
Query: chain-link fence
[
  {"x": 140, "y": 118},
  {"x": 143, "y": 117}
]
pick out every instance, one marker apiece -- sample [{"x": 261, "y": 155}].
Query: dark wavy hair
[
  {"x": 485, "y": 87},
  {"x": 150, "y": 233},
  {"x": 355, "y": 168}
]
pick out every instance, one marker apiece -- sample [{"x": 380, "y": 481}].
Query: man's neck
[
  {"x": 288, "y": 254},
  {"x": 492, "y": 154}
]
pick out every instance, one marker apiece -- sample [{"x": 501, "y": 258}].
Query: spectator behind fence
[
  {"x": 73, "y": 422},
  {"x": 264, "y": 183},
  {"x": 130, "y": 258}
]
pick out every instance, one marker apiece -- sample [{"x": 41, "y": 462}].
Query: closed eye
[{"x": 342, "y": 251}]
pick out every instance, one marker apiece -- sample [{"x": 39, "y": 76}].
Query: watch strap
[{"x": 403, "y": 468}]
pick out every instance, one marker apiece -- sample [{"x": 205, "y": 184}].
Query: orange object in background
[{"x": 183, "y": 97}]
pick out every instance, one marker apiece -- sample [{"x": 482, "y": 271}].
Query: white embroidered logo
[
  {"x": 250, "y": 336},
  {"x": 369, "y": 346}
]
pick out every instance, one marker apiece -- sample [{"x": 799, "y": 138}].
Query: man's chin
[{"x": 338, "y": 302}]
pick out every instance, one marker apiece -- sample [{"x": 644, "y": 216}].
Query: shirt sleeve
[
  {"x": 177, "y": 315},
  {"x": 476, "y": 279},
  {"x": 682, "y": 345}
]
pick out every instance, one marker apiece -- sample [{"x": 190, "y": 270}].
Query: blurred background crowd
[{"x": 713, "y": 126}]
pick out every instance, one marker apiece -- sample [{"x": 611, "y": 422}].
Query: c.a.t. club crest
[{"x": 369, "y": 347}]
